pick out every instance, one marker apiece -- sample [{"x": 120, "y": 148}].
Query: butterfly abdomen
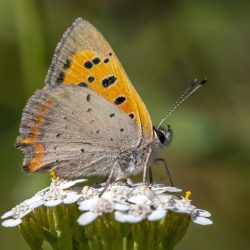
[{"x": 132, "y": 161}]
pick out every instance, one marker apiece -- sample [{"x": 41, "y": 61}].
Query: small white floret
[
  {"x": 202, "y": 220},
  {"x": 203, "y": 213},
  {"x": 11, "y": 222},
  {"x": 71, "y": 197},
  {"x": 68, "y": 184},
  {"x": 130, "y": 218},
  {"x": 87, "y": 204},
  {"x": 157, "y": 214},
  {"x": 7, "y": 215},
  {"x": 52, "y": 203},
  {"x": 87, "y": 218}
]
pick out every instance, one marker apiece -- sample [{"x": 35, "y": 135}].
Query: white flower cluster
[{"x": 130, "y": 203}]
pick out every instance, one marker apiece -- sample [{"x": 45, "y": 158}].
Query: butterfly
[{"x": 88, "y": 120}]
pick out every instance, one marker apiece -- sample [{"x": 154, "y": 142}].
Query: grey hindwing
[{"x": 81, "y": 133}]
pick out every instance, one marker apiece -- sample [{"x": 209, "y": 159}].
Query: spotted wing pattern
[
  {"x": 62, "y": 129},
  {"x": 84, "y": 57}
]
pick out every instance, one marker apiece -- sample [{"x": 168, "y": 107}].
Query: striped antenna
[{"x": 196, "y": 84}]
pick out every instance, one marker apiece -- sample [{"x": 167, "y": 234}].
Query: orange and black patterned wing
[{"x": 83, "y": 57}]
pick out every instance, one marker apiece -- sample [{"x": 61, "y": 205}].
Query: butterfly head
[{"x": 163, "y": 136}]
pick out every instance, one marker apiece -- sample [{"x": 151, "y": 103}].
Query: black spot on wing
[
  {"x": 60, "y": 78},
  {"x": 106, "y": 60},
  {"x": 58, "y": 135},
  {"x": 120, "y": 100},
  {"x": 106, "y": 82},
  {"x": 91, "y": 79},
  {"x": 96, "y": 60},
  {"x": 88, "y": 65},
  {"x": 111, "y": 115},
  {"x": 88, "y": 97},
  {"x": 83, "y": 84},
  {"x": 66, "y": 65},
  {"x": 131, "y": 115}
]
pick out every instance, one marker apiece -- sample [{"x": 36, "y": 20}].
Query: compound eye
[{"x": 161, "y": 136}]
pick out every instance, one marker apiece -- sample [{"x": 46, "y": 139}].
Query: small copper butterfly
[{"x": 88, "y": 119}]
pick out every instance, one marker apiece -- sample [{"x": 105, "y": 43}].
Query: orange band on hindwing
[{"x": 36, "y": 161}]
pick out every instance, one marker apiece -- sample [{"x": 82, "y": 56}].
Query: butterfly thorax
[{"x": 132, "y": 161}]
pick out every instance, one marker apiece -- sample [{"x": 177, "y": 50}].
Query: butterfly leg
[
  {"x": 150, "y": 174},
  {"x": 146, "y": 170},
  {"x": 161, "y": 160},
  {"x": 108, "y": 180}
]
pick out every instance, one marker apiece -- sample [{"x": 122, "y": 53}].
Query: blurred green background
[{"x": 163, "y": 45}]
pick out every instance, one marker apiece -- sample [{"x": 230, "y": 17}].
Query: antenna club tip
[{"x": 203, "y": 81}]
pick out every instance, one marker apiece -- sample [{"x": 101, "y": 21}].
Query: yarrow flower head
[
  {"x": 120, "y": 203},
  {"x": 58, "y": 192}
]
